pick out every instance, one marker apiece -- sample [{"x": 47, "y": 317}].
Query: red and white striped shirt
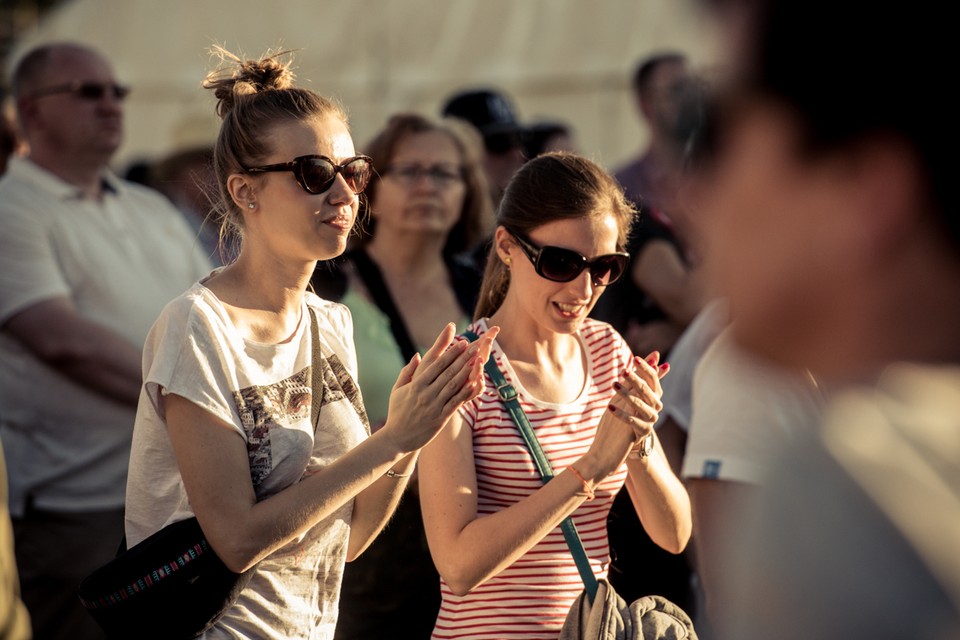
[{"x": 530, "y": 598}]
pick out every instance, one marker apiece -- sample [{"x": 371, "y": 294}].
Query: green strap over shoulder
[{"x": 508, "y": 395}]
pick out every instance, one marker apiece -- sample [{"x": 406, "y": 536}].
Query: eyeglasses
[
  {"x": 442, "y": 176},
  {"x": 563, "y": 265},
  {"x": 316, "y": 173},
  {"x": 86, "y": 90}
]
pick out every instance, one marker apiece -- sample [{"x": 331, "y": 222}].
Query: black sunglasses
[
  {"x": 563, "y": 265},
  {"x": 316, "y": 173},
  {"x": 86, "y": 90}
]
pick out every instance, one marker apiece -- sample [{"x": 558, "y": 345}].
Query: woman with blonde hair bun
[{"x": 250, "y": 417}]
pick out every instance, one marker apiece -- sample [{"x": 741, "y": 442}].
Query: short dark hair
[
  {"x": 870, "y": 71},
  {"x": 647, "y": 66},
  {"x": 33, "y": 64}
]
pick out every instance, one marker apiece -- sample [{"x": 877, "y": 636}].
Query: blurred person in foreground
[
  {"x": 834, "y": 232},
  {"x": 87, "y": 261},
  {"x": 408, "y": 277},
  {"x": 744, "y": 411}
]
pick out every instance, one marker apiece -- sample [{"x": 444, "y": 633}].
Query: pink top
[{"x": 530, "y": 599}]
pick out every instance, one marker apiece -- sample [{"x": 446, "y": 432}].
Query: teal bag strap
[{"x": 508, "y": 395}]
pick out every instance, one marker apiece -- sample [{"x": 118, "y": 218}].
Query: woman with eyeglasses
[
  {"x": 407, "y": 277},
  {"x": 250, "y": 416},
  {"x": 491, "y": 522}
]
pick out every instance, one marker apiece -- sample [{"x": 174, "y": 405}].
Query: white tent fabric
[{"x": 567, "y": 60}]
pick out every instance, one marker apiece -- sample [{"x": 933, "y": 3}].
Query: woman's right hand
[{"x": 430, "y": 389}]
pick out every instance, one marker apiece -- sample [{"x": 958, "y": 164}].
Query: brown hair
[
  {"x": 252, "y": 97},
  {"x": 477, "y": 211},
  {"x": 550, "y": 187}
]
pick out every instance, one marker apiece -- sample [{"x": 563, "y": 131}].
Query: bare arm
[
  {"x": 469, "y": 550},
  {"x": 661, "y": 273},
  {"x": 216, "y": 471},
  {"x": 85, "y": 351},
  {"x": 660, "y": 500},
  {"x": 374, "y": 506},
  {"x": 657, "y": 494},
  {"x": 717, "y": 505}
]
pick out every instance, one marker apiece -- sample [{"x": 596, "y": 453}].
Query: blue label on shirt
[{"x": 711, "y": 469}]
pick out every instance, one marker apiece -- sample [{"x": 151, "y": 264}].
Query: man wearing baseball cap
[{"x": 492, "y": 115}]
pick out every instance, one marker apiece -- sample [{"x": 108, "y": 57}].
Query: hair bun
[{"x": 236, "y": 78}]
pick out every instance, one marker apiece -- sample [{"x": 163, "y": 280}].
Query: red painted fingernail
[
  {"x": 653, "y": 358},
  {"x": 617, "y": 385},
  {"x": 612, "y": 408},
  {"x": 665, "y": 367}
]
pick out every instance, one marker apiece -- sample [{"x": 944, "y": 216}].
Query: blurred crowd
[{"x": 793, "y": 256}]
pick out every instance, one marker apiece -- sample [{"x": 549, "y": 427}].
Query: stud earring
[
  {"x": 251, "y": 206},
  {"x": 506, "y": 261}
]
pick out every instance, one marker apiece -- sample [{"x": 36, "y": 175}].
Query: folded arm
[{"x": 83, "y": 350}]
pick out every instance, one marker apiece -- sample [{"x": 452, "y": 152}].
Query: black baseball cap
[{"x": 492, "y": 114}]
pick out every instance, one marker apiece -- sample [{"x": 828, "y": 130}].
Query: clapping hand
[
  {"x": 632, "y": 412},
  {"x": 430, "y": 389}
]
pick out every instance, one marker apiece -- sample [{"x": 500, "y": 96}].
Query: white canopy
[{"x": 568, "y": 60}]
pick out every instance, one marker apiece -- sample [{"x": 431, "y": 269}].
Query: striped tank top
[{"x": 530, "y": 599}]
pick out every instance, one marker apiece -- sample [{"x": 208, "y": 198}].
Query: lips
[
  {"x": 339, "y": 221},
  {"x": 570, "y": 310}
]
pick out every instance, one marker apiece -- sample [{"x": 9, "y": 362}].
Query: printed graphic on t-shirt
[
  {"x": 262, "y": 408},
  {"x": 338, "y": 384},
  {"x": 287, "y": 403}
]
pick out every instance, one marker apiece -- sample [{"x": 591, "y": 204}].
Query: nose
[
  {"x": 110, "y": 102},
  {"x": 426, "y": 180},
  {"x": 340, "y": 192},
  {"x": 583, "y": 285}
]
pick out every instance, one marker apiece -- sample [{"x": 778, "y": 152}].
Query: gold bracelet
[
  {"x": 586, "y": 488},
  {"x": 393, "y": 474}
]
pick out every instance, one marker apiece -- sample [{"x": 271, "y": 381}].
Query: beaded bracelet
[{"x": 586, "y": 488}]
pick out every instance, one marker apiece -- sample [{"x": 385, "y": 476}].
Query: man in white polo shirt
[{"x": 87, "y": 261}]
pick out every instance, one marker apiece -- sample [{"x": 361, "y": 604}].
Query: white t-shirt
[
  {"x": 744, "y": 411},
  {"x": 264, "y": 392},
  {"x": 119, "y": 261},
  {"x": 684, "y": 357}
]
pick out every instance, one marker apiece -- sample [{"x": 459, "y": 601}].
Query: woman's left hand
[{"x": 637, "y": 399}]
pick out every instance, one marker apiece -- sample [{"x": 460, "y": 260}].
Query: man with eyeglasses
[{"x": 87, "y": 261}]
